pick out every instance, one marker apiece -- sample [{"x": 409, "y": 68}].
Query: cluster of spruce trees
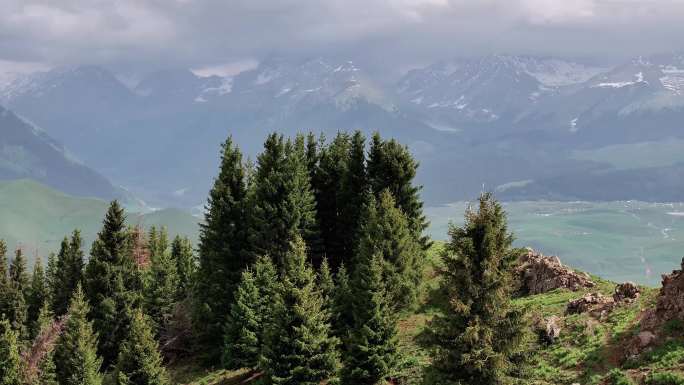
[
  {"x": 306, "y": 258},
  {"x": 72, "y": 322}
]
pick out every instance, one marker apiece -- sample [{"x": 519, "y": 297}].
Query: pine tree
[
  {"x": 10, "y": 361},
  {"x": 242, "y": 344},
  {"x": 37, "y": 298},
  {"x": 342, "y": 313},
  {"x": 51, "y": 278},
  {"x": 68, "y": 273},
  {"x": 479, "y": 332},
  {"x": 162, "y": 282},
  {"x": 283, "y": 204},
  {"x": 298, "y": 349},
  {"x": 371, "y": 350},
  {"x": 4, "y": 281},
  {"x": 354, "y": 189},
  {"x": 385, "y": 231},
  {"x": 184, "y": 258},
  {"x": 75, "y": 354},
  {"x": 139, "y": 362},
  {"x": 112, "y": 283},
  {"x": 223, "y": 253},
  {"x": 392, "y": 167},
  {"x": 17, "y": 294},
  {"x": 326, "y": 285}
]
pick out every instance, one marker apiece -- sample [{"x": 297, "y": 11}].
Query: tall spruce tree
[
  {"x": 68, "y": 273},
  {"x": 75, "y": 353},
  {"x": 10, "y": 361},
  {"x": 223, "y": 250},
  {"x": 17, "y": 308},
  {"x": 342, "y": 313},
  {"x": 354, "y": 189},
  {"x": 38, "y": 297},
  {"x": 479, "y": 332},
  {"x": 326, "y": 284},
  {"x": 139, "y": 362},
  {"x": 385, "y": 231},
  {"x": 184, "y": 258},
  {"x": 283, "y": 204},
  {"x": 391, "y": 166},
  {"x": 162, "y": 283},
  {"x": 371, "y": 349},
  {"x": 47, "y": 338},
  {"x": 112, "y": 283},
  {"x": 51, "y": 278},
  {"x": 299, "y": 348},
  {"x": 242, "y": 344},
  {"x": 4, "y": 281}
]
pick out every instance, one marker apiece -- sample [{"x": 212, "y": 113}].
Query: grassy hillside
[{"x": 37, "y": 217}]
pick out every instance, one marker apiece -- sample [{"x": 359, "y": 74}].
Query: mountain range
[{"x": 528, "y": 127}]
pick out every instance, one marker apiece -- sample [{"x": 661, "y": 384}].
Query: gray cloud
[{"x": 212, "y": 33}]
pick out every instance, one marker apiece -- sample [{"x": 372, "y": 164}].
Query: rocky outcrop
[
  {"x": 626, "y": 292},
  {"x": 549, "y": 329},
  {"x": 670, "y": 303},
  {"x": 595, "y": 303},
  {"x": 539, "y": 274}
]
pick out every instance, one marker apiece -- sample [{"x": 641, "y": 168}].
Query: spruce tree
[
  {"x": 162, "y": 282},
  {"x": 184, "y": 258},
  {"x": 4, "y": 281},
  {"x": 10, "y": 361},
  {"x": 242, "y": 344},
  {"x": 354, "y": 189},
  {"x": 112, "y": 283},
  {"x": 75, "y": 354},
  {"x": 19, "y": 276},
  {"x": 392, "y": 167},
  {"x": 16, "y": 306},
  {"x": 38, "y": 296},
  {"x": 139, "y": 362},
  {"x": 283, "y": 204},
  {"x": 68, "y": 273},
  {"x": 342, "y": 313},
  {"x": 299, "y": 349},
  {"x": 326, "y": 285},
  {"x": 385, "y": 231},
  {"x": 223, "y": 250},
  {"x": 51, "y": 278},
  {"x": 479, "y": 332},
  {"x": 371, "y": 349},
  {"x": 43, "y": 372}
]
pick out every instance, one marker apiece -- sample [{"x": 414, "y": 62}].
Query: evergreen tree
[
  {"x": 392, "y": 167},
  {"x": 44, "y": 372},
  {"x": 112, "y": 283},
  {"x": 342, "y": 313},
  {"x": 479, "y": 332},
  {"x": 51, "y": 278},
  {"x": 299, "y": 349},
  {"x": 223, "y": 250},
  {"x": 354, "y": 190},
  {"x": 75, "y": 354},
  {"x": 37, "y": 298},
  {"x": 68, "y": 273},
  {"x": 242, "y": 344},
  {"x": 371, "y": 349},
  {"x": 326, "y": 285},
  {"x": 283, "y": 204},
  {"x": 182, "y": 255},
  {"x": 4, "y": 281},
  {"x": 16, "y": 306},
  {"x": 162, "y": 282},
  {"x": 139, "y": 362},
  {"x": 10, "y": 361},
  {"x": 385, "y": 231}
]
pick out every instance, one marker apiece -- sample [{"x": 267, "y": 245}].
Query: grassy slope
[
  {"x": 585, "y": 353},
  {"x": 38, "y": 217}
]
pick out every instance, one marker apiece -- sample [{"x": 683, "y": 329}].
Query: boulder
[
  {"x": 670, "y": 302},
  {"x": 549, "y": 329},
  {"x": 539, "y": 274},
  {"x": 626, "y": 292},
  {"x": 597, "y": 303}
]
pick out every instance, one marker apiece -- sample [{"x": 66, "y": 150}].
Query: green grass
[{"x": 37, "y": 217}]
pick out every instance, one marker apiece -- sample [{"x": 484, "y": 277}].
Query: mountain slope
[{"x": 28, "y": 152}]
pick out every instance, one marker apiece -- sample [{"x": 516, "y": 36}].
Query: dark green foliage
[
  {"x": 664, "y": 378},
  {"x": 38, "y": 296},
  {"x": 371, "y": 349},
  {"x": 10, "y": 361},
  {"x": 298, "y": 348},
  {"x": 18, "y": 290},
  {"x": 75, "y": 353},
  {"x": 68, "y": 272},
  {"x": 342, "y": 313},
  {"x": 479, "y": 332},
  {"x": 618, "y": 377},
  {"x": 162, "y": 280},
  {"x": 385, "y": 231},
  {"x": 184, "y": 258},
  {"x": 223, "y": 252},
  {"x": 4, "y": 281},
  {"x": 139, "y": 362},
  {"x": 112, "y": 283},
  {"x": 242, "y": 344},
  {"x": 46, "y": 369},
  {"x": 51, "y": 278},
  {"x": 326, "y": 284},
  {"x": 283, "y": 204},
  {"x": 19, "y": 277},
  {"x": 391, "y": 166}
]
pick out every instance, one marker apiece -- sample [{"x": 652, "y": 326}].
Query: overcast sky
[{"x": 228, "y": 35}]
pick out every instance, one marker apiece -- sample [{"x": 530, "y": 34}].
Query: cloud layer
[{"x": 213, "y": 33}]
